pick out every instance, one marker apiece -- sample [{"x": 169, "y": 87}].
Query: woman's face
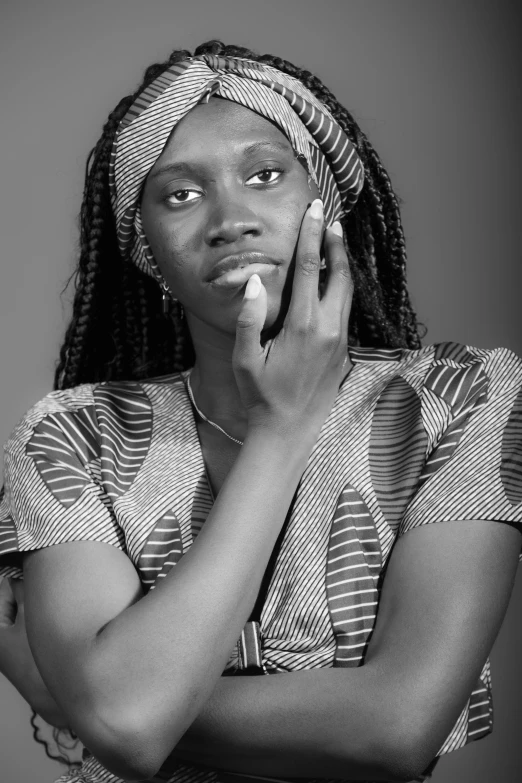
[{"x": 227, "y": 183}]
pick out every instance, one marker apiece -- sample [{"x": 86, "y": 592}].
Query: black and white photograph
[{"x": 261, "y": 391}]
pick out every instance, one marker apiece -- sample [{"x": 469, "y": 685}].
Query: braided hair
[
  {"x": 115, "y": 300},
  {"x": 118, "y": 330}
]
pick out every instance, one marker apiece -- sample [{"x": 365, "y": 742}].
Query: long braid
[
  {"x": 374, "y": 235},
  {"x": 114, "y": 298},
  {"x": 145, "y": 322},
  {"x": 81, "y": 353},
  {"x": 118, "y": 331},
  {"x": 389, "y": 315}
]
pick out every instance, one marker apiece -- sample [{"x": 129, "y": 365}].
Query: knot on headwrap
[{"x": 314, "y": 134}]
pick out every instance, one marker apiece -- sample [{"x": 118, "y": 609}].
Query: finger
[
  {"x": 338, "y": 292},
  {"x": 250, "y": 322},
  {"x": 305, "y": 284},
  {"x": 7, "y": 604}
]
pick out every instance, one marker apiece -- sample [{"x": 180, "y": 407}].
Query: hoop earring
[{"x": 167, "y": 298}]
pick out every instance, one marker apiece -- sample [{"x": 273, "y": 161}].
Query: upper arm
[
  {"x": 58, "y": 516},
  {"x": 72, "y": 590},
  {"x": 444, "y": 596}
]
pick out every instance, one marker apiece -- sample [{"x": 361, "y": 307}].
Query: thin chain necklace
[{"x": 213, "y": 423}]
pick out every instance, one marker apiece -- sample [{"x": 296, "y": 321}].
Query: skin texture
[
  {"x": 446, "y": 588},
  {"x": 229, "y": 210},
  {"x": 109, "y": 660},
  {"x": 444, "y": 596},
  {"x": 16, "y": 660}
]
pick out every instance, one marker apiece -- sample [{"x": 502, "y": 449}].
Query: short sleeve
[
  {"x": 52, "y": 487},
  {"x": 474, "y": 470}
]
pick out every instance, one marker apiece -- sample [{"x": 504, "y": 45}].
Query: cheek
[
  {"x": 289, "y": 214},
  {"x": 163, "y": 242},
  {"x": 171, "y": 251},
  {"x": 289, "y": 217},
  {"x": 168, "y": 246}
]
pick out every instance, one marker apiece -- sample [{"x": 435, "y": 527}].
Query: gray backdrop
[{"x": 436, "y": 86}]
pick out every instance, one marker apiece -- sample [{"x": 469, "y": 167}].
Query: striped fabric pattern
[
  {"x": 331, "y": 157},
  {"x": 125, "y": 420},
  {"x": 353, "y": 566},
  {"x": 203, "y": 501},
  {"x": 250, "y": 652},
  {"x": 9, "y": 544},
  {"x": 62, "y": 446},
  {"x": 511, "y": 465},
  {"x": 464, "y": 390},
  {"x": 397, "y": 448},
  {"x": 162, "y": 550},
  {"x": 323, "y": 596}
]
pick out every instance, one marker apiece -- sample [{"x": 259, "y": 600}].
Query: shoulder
[
  {"x": 67, "y": 402},
  {"x": 457, "y": 372},
  {"x": 501, "y": 365},
  {"x": 75, "y": 414}
]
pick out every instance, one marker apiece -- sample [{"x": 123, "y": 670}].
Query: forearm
[
  {"x": 31, "y": 687},
  {"x": 22, "y": 673},
  {"x": 338, "y": 723},
  {"x": 155, "y": 665}
]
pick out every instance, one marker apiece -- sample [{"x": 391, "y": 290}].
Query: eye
[
  {"x": 183, "y": 196},
  {"x": 266, "y": 176}
]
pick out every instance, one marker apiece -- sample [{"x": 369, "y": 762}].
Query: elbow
[
  {"x": 127, "y": 768},
  {"x": 406, "y": 764},
  {"x": 403, "y": 768},
  {"x": 130, "y": 765},
  {"x": 121, "y": 751},
  {"x": 125, "y": 747},
  {"x": 390, "y": 753},
  {"x": 406, "y": 752}
]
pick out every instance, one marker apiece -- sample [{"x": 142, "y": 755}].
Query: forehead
[{"x": 220, "y": 126}]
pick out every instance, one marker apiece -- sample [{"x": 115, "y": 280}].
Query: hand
[
  {"x": 16, "y": 659},
  {"x": 295, "y": 379}
]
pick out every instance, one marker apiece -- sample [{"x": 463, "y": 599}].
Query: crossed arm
[{"x": 444, "y": 596}]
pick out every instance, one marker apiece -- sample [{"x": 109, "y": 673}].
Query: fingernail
[
  {"x": 316, "y": 210},
  {"x": 253, "y": 287},
  {"x": 337, "y": 229}
]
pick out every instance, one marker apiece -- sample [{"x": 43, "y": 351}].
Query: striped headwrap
[{"x": 331, "y": 158}]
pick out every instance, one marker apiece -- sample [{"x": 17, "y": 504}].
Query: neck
[{"x": 212, "y": 379}]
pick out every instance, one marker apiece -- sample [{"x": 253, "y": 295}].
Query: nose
[{"x": 230, "y": 221}]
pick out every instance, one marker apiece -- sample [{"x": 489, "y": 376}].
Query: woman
[{"x": 235, "y": 500}]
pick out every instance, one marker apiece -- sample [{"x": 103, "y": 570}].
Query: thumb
[{"x": 250, "y": 322}]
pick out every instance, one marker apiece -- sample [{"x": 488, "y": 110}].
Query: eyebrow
[{"x": 249, "y": 149}]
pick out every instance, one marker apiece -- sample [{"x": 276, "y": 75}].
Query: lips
[{"x": 238, "y": 261}]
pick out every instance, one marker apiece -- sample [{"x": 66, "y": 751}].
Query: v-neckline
[{"x": 184, "y": 376}]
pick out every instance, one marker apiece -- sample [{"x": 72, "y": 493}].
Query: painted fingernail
[
  {"x": 336, "y": 229},
  {"x": 316, "y": 210},
  {"x": 253, "y": 287}
]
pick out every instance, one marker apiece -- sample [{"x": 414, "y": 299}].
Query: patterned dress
[{"x": 414, "y": 437}]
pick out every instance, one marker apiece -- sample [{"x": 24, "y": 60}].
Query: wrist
[{"x": 287, "y": 438}]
